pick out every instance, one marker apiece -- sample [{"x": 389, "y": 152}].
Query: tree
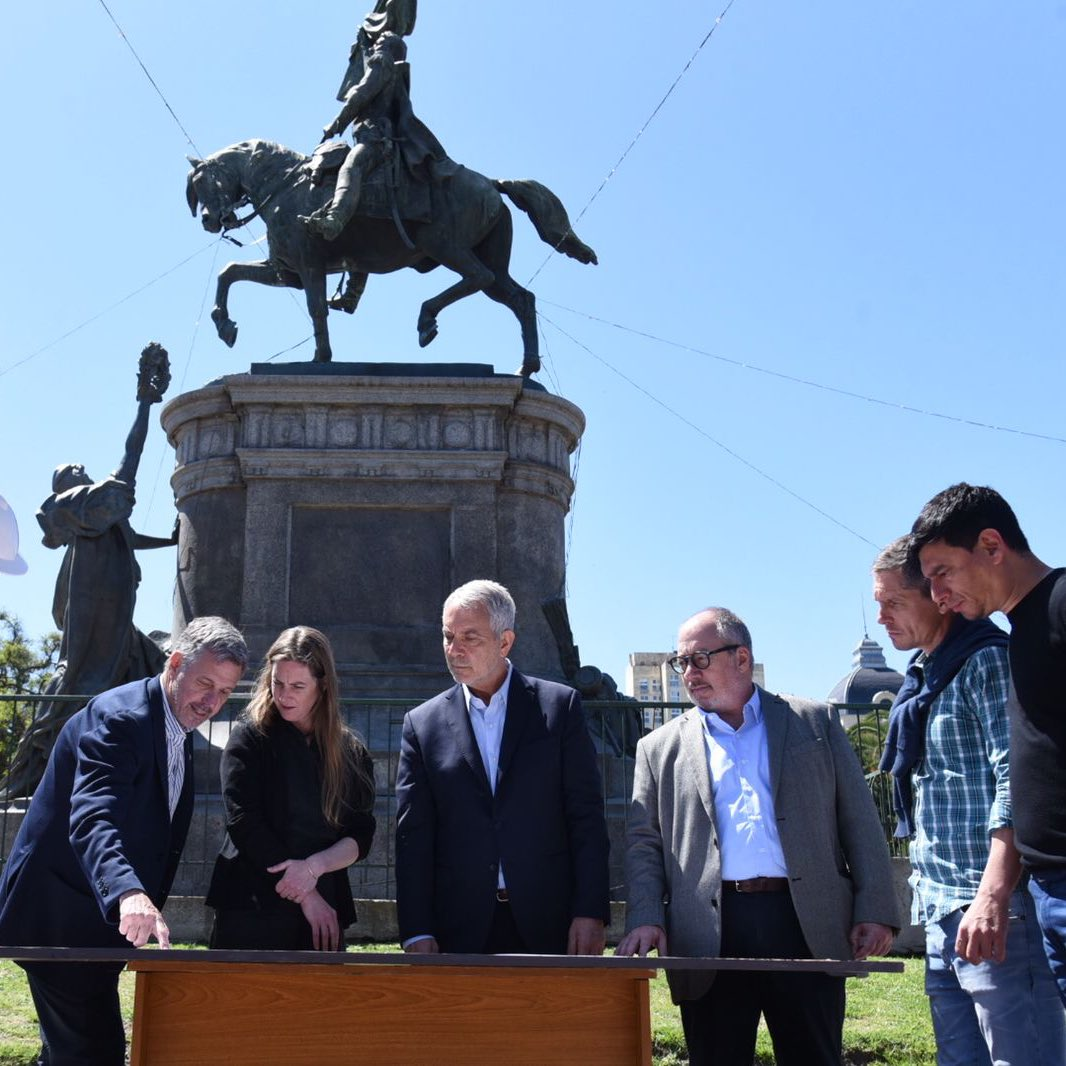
[
  {"x": 26, "y": 667},
  {"x": 867, "y": 737}
]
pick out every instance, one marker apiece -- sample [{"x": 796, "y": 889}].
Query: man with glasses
[{"x": 752, "y": 834}]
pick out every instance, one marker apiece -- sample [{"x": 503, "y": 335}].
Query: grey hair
[
  {"x": 727, "y": 625},
  {"x": 215, "y": 635},
  {"x": 901, "y": 557},
  {"x": 490, "y": 595}
]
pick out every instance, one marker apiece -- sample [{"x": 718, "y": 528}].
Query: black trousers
[
  {"x": 504, "y": 937},
  {"x": 78, "y": 1013},
  {"x": 285, "y": 929},
  {"x": 804, "y": 1012}
]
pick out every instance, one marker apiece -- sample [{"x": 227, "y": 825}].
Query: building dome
[{"x": 870, "y": 675}]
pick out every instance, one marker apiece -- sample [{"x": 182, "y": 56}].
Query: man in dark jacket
[
  {"x": 501, "y": 842},
  {"x": 96, "y": 853}
]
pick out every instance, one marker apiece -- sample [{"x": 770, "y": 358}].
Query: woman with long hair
[{"x": 298, "y": 790}]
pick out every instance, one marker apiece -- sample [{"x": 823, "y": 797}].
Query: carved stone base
[{"x": 356, "y": 502}]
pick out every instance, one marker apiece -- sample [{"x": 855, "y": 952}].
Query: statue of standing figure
[{"x": 97, "y": 585}]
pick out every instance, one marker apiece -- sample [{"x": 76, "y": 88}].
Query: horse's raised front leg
[
  {"x": 314, "y": 282},
  {"x": 263, "y": 272}
]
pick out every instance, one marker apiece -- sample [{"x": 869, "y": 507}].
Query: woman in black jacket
[{"x": 298, "y": 788}]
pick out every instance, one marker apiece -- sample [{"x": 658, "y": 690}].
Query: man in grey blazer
[{"x": 752, "y": 834}]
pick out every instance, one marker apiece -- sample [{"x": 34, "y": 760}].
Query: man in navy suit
[
  {"x": 501, "y": 842},
  {"x": 96, "y": 853}
]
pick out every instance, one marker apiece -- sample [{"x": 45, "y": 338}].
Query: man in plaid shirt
[{"x": 991, "y": 993}]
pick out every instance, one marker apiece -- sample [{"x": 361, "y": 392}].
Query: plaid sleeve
[{"x": 986, "y": 681}]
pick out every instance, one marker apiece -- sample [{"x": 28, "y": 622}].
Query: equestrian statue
[{"x": 393, "y": 199}]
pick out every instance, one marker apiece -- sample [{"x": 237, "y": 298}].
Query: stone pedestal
[{"x": 355, "y": 497}]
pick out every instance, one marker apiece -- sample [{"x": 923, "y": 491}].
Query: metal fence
[
  {"x": 867, "y": 726},
  {"x": 615, "y": 727}
]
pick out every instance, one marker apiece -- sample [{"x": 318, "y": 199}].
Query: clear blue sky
[{"x": 868, "y": 196}]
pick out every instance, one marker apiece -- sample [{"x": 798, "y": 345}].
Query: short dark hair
[
  {"x": 901, "y": 557},
  {"x": 958, "y": 515}
]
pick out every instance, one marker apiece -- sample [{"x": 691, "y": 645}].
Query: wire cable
[
  {"x": 100, "y": 314},
  {"x": 159, "y": 92},
  {"x": 740, "y": 364},
  {"x": 714, "y": 440},
  {"x": 643, "y": 129}
]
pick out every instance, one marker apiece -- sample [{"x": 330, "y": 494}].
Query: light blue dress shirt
[
  {"x": 487, "y": 721},
  {"x": 739, "y": 765}
]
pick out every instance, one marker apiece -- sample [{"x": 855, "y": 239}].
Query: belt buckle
[
  {"x": 502, "y": 896},
  {"x": 736, "y": 886}
]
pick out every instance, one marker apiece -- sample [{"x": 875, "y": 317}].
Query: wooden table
[{"x": 277, "y": 1008}]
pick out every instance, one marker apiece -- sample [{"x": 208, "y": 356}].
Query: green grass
[
  {"x": 887, "y": 1022},
  {"x": 887, "y": 1019}
]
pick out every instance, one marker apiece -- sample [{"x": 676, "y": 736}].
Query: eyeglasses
[{"x": 699, "y": 659}]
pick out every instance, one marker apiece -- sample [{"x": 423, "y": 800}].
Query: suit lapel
[
  {"x": 157, "y": 712},
  {"x": 458, "y": 719},
  {"x": 775, "y": 715},
  {"x": 694, "y": 757},
  {"x": 520, "y": 705}
]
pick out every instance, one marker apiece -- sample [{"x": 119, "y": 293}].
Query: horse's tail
[{"x": 548, "y": 215}]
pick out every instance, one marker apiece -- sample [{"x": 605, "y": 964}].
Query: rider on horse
[{"x": 384, "y": 127}]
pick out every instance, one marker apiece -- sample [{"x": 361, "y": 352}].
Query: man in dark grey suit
[
  {"x": 752, "y": 834},
  {"x": 501, "y": 842}
]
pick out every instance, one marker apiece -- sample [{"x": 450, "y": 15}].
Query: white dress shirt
[
  {"x": 743, "y": 800},
  {"x": 176, "y": 735}
]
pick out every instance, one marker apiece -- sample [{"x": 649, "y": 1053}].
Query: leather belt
[
  {"x": 757, "y": 884},
  {"x": 502, "y": 896}
]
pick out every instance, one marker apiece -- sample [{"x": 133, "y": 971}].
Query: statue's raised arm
[{"x": 96, "y": 589}]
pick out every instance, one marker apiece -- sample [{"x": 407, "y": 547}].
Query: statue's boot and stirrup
[{"x": 330, "y": 219}]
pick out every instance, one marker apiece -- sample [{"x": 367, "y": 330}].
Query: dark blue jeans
[
  {"x": 994, "y": 1012},
  {"x": 1048, "y": 888}
]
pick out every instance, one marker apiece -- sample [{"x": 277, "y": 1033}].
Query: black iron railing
[{"x": 615, "y": 727}]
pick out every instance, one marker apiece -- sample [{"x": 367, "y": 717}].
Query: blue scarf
[{"x": 923, "y": 682}]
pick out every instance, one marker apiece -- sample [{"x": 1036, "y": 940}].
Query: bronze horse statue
[{"x": 469, "y": 231}]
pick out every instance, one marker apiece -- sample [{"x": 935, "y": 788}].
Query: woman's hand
[
  {"x": 325, "y": 932},
  {"x": 299, "y": 879}
]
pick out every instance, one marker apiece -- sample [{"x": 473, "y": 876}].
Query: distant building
[
  {"x": 650, "y": 680},
  {"x": 870, "y": 679}
]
